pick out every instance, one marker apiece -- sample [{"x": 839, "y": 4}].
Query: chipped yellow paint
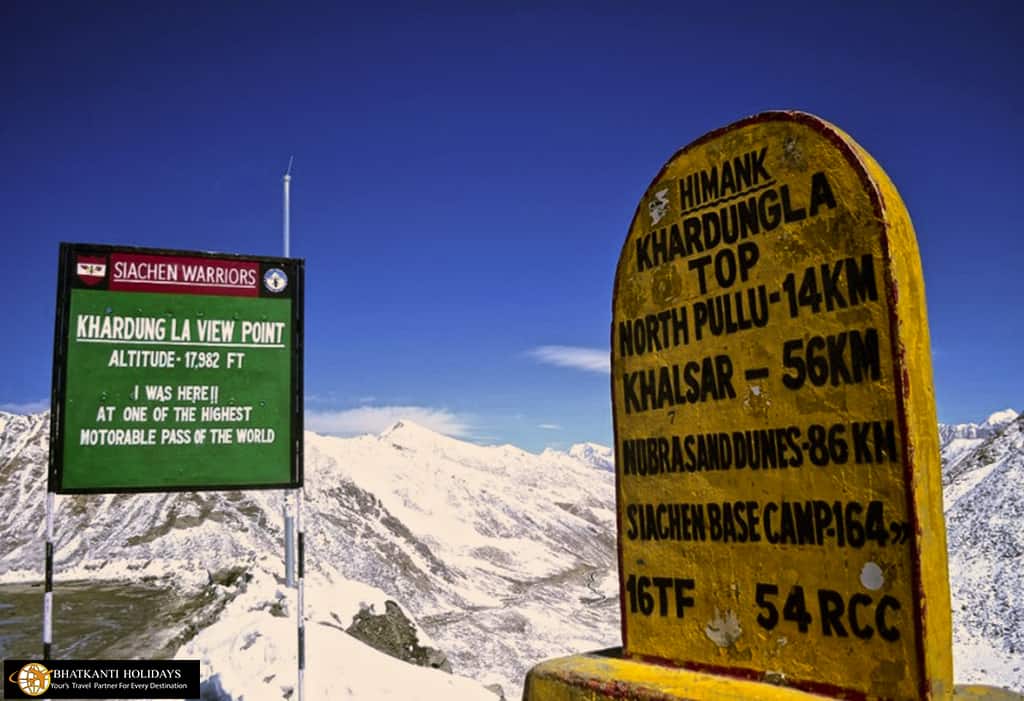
[
  {"x": 607, "y": 677},
  {"x": 778, "y": 484},
  {"x": 601, "y": 677}
]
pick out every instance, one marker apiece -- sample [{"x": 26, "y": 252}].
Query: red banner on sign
[{"x": 201, "y": 276}]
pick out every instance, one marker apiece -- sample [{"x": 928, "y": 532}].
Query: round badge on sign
[{"x": 275, "y": 280}]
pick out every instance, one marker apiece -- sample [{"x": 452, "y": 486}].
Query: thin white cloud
[
  {"x": 588, "y": 359},
  {"x": 374, "y": 419},
  {"x": 26, "y": 407},
  {"x": 550, "y": 427}
]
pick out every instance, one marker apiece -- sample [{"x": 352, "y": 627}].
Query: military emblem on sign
[
  {"x": 91, "y": 269},
  {"x": 275, "y": 280}
]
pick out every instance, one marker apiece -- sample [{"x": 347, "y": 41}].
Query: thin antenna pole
[{"x": 287, "y": 208}]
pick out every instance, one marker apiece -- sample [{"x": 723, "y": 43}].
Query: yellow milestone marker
[{"x": 778, "y": 484}]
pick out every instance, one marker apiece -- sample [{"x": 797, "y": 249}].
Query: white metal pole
[
  {"x": 289, "y": 540},
  {"x": 302, "y": 587},
  {"x": 300, "y": 618},
  {"x": 48, "y": 588}
]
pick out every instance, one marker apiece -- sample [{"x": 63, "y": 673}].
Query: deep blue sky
[{"x": 465, "y": 174}]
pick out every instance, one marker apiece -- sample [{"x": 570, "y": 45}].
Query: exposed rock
[
  {"x": 394, "y": 634},
  {"x": 498, "y": 691}
]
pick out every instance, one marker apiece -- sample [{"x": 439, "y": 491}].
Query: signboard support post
[
  {"x": 289, "y": 535},
  {"x": 301, "y": 591},
  {"x": 48, "y": 595}
]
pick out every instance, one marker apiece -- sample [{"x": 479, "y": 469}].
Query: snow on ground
[
  {"x": 978, "y": 661},
  {"x": 963, "y": 484},
  {"x": 957, "y": 448},
  {"x": 251, "y": 652}
]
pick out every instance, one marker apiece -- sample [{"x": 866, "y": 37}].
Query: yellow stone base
[{"x": 606, "y": 676}]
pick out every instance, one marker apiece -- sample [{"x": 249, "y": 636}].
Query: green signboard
[{"x": 176, "y": 371}]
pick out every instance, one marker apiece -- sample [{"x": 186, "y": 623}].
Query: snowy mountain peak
[
  {"x": 1001, "y": 418},
  {"x": 600, "y": 456},
  {"x": 405, "y": 425},
  {"x": 958, "y": 440},
  {"x": 410, "y": 434}
]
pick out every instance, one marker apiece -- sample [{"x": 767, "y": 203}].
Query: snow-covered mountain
[
  {"x": 601, "y": 457},
  {"x": 983, "y": 491},
  {"x": 504, "y": 557},
  {"x": 957, "y": 440}
]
